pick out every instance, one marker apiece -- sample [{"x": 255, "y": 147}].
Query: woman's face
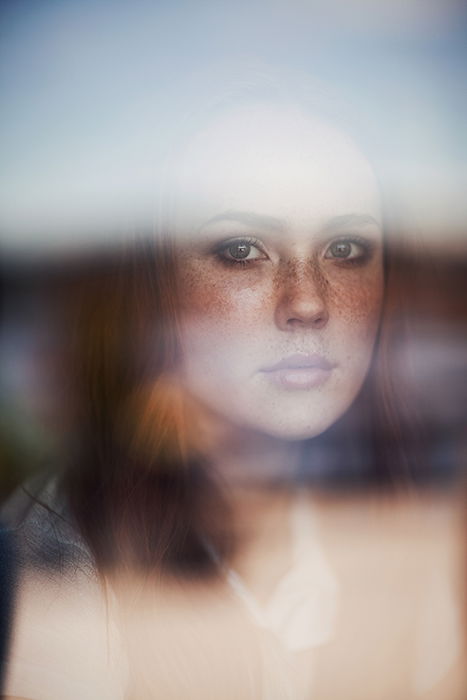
[{"x": 280, "y": 254}]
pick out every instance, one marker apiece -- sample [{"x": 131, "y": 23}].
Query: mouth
[{"x": 299, "y": 371}]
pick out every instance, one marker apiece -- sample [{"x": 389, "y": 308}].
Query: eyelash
[
  {"x": 365, "y": 245},
  {"x": 221, "y": 249}
]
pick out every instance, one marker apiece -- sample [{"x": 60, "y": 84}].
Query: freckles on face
[
  {"x": 247, "y": 298},
  {"x": 234, "y": 311},
  {"x": 215, "y": 295},
  {"x": 356, "y": 301},
  {"x": 231, "y": 332}
]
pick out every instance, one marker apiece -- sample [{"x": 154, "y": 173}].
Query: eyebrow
[
  {"x": 351, "y": 220},
  {"x": 248, "y": 218},
  {"x": 263, "y": 221}
]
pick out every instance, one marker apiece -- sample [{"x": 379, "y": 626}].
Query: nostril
[
  {"x": 320, "y": 320},
  {"x": 317, "y": 320}
]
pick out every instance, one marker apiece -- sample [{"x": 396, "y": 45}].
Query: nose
[{"x": 301, "y": 301}]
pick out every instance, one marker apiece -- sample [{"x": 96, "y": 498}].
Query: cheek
[
  {"x": 235, "y": 302},
  {"x": 355, "y": 304},
  {"x": 356, "y": 310}
]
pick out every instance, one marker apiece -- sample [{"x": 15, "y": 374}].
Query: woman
[{"x": 180, "y": 554}]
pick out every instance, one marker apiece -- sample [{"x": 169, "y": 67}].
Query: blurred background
[{"x": 90, "y": 92}]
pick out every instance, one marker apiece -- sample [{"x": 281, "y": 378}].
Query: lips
[
  {"x": 301, "y": 361},
  {"x": 299, "y": 371}
]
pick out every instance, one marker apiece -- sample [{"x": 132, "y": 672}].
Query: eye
[
  {"x": 240, "y": 250},
  {"x": 351, "y": 249}
]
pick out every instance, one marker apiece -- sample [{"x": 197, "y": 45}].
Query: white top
[{"x": 69, "y": 642}]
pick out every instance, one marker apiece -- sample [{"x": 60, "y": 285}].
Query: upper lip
[{"x": 300, "y": 361}]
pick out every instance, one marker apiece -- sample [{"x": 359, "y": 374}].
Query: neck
[
  {"x": 247, "y": 461},
  {"x": 258, "y": 473}
]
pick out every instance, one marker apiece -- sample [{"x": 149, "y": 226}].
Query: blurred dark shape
[{"x": 31, "y": 421}]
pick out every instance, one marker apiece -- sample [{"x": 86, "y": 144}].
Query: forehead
[{"x": 273, "y": 160}]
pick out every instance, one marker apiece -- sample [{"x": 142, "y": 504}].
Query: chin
[
  {"x": 292, "y": 425},
  {"x": 300, "y": 420},
  {"x": 296, "y": 431}
]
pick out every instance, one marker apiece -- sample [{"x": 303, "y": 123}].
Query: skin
[{"x": 286, "y": 189}]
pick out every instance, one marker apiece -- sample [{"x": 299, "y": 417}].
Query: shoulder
[
  {"x": 65, "y": 640},
  {"x": 43, "y": 531}
]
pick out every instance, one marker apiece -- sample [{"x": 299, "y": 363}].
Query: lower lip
[{"x": 299, "y": 377}]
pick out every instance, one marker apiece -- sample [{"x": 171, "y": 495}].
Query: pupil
[
  {"x": 239, "y": 251},
  {"x": 341, "y": 250}
]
